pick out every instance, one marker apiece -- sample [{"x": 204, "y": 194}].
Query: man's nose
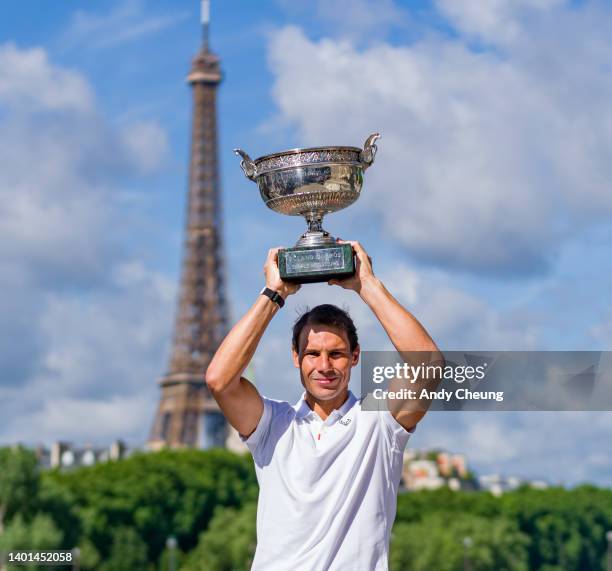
[{"x": 324, "y": 362}]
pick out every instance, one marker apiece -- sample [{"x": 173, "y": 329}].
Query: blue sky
[{"x": 487, "y": 212}]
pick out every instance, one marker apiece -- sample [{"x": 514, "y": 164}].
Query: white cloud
[
  {"x": 85, "y": 324},
  {"x": 95, "y": 364},
  {"x": 404, "y": 283},
  {"x": 59, "y": 166},
  {"x": 513, "y": 443},
  {"x": 97, "y": 421},
  {"x": 128, "y": 21},
  {"x": 459, "y": 320},
  {"x": 27, "y": 80},
  {"x": 148, "y": 145},
  {"x": 110, "y": 335},
  {"x": 491, "y": 160},
  {"x": 361, "y": 20},
  {"x": 497, "y": 21}
]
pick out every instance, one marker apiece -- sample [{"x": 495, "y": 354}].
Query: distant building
[
  {"x": 444, "y": 464},
  {"x": 459, "y": 464},
  {"x": 422, "y": 475},
  {"x": 538, "y": 484},
  {"x": 432, "y": 470},
  {"x": 65, "y": 455},
  {"x": 497, "y": 484}
]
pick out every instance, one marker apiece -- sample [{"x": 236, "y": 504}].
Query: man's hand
[
  {"x": 363, "y": 270},
  {"x": 273, "y": 279}
]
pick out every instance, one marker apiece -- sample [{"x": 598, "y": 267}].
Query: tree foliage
[
  {"x": 437, "y": 542},
  {"x": 120, "y": 514},
  {"x": 18, "y": 483},
  {"x": 228, "y": 544},
  {"x": 128, "y": 552},
  {"x": 156, "y": 494},
  {"x": 39, "y": 533},
  {"x": 566, "y": 528}
]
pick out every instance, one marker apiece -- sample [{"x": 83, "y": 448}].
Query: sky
[{"x": 487, "y": 212}]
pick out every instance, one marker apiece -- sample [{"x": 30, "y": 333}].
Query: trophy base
[{"x": 316, "y": 263}]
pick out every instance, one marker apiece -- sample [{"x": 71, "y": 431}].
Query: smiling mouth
[{"x": 325, "y": 381}]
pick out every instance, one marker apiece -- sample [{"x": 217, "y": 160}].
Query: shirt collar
[{"x": 303, "y": 410}]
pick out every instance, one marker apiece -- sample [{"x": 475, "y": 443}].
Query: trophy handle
[
  {"x": 369, "y": 151},
  {"x": 247, "y": 164}
]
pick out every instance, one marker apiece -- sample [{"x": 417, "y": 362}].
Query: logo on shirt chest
[{"x": 345, "y": 421}]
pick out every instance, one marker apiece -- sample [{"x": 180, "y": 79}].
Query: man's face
[{"x": 325, "y": 361}]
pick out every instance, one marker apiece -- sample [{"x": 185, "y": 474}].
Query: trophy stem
[
  {"x": 315, "y": 224},
  {"x": 316, "y": 235}
]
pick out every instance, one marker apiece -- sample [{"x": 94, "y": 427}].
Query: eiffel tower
[{"x": 187, "y": 415}]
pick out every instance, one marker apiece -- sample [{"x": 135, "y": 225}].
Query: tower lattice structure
[{"x": 187, "y": 415}]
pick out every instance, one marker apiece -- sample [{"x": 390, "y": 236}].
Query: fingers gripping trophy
[{"x": 312, "y": 183}]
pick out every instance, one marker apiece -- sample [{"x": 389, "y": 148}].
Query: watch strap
[{"x": 274, "y": 296}]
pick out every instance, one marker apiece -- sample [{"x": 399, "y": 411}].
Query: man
[{"x": 328, "y": 471}]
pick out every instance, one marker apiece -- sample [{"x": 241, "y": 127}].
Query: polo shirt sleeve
[
  {"x": 397, "y": 433},
  {"x": 397, "y": 436},
  {"x": 263, "y": 439}
]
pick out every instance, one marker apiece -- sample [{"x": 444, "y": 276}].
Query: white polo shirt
[{"x": 328, "y": 489}]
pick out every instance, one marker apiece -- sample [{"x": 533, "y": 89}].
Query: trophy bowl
[
  {"x": 301, "y": 182},
  {"x": 311, "y": 182}
]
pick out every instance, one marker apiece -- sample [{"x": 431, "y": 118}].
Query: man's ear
[
  {"x": 355, "y": 356},
  {"x": 296, "y": 358}
]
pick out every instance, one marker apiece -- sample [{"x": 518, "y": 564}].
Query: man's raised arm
[
  {"x": 237, "y": 397},
  {"x": 404, "y": 330}
]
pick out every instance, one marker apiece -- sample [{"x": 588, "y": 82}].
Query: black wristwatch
[{"x": 274, "y": 296}]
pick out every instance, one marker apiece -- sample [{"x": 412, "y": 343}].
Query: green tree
[
  {"x": 413, "y": 506},
  {"x": 18, "y": 483},
  {"x": 228, "y": 544},
  {"x": 566, "y": 527},
  {"x": 40, "y": 533},
  {"x": 183, "y": 493},
  {"x": 128, "y": 552},
  {"x": 157, "y": 494},
  {"x": 58, "y": 501},
  {"x": 88, "y": 556},
  {"x": 164, "y": 560},
  {"x": 436, "y": 542}
]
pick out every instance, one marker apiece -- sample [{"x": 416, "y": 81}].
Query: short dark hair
[{"x": 326, "y": 314}]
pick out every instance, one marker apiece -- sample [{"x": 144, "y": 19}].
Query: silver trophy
[{"x": 311, "y": 183}]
